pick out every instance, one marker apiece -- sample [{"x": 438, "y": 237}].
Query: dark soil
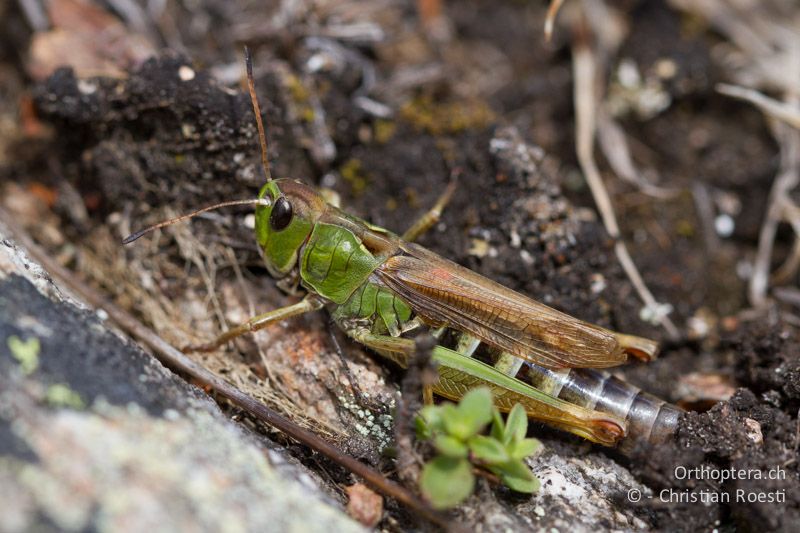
[{"x": 129, "y": 147}]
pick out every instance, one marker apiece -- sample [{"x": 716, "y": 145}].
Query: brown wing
[{"x": 444, "y": 292}]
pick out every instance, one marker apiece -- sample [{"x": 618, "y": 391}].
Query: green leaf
[
  {"x": 446, "y": 482},
  {"x": 527, "y": 485},
  {"x": 430, "y": 421},
  {"x": 498, "y": 426},
  {"x": 450, "y": 446},
  {"x": 470, "y": 416},
  {"x": 488, "y": 449},
  {"x": 513, "y": 468},
  {"x": 422, "y": 428},
  {"x": 516, "y": 424},
  {"x": 516, "y": 475},
  {"x": 477, "y": 403},
  {"x": 459, "y": 423},
  {"x": 523, "y": 448},
  {"x": 431, "y": 415}
]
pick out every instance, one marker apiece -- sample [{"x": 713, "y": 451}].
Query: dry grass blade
[
  {"x": 614, "y": 145},
  {"x": 787, "y": 179},
  {"x": 769, "y": 106},
  {"x": 788, "y": 270},
  {"x": 764, "y": 33},
  {"x": 584, "y": 69},
  {"x": 768, "y": 41}
]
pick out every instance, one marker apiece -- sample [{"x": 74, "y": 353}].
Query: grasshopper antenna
[
  {"x": 262, "y": 137},
  {"x": 255, "y": 201}
]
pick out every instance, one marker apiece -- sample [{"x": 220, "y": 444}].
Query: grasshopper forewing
[{"x": 445, "y": 292}]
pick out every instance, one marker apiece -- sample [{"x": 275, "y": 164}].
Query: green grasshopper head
[
  {"x": 285, "y": 221},
  {"x": 286, "y": 211}
]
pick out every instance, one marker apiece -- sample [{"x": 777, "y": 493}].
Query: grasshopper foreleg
[{"x": 307, "y": 304}]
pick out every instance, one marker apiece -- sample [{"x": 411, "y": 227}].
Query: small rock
[
  {"x": 753, "y": 429},
  {"x": 365, "y": 505}
]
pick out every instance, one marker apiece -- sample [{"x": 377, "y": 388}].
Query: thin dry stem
[
  {"x": 769, "y": 106},
  {"x": 194, "y": 251},
  {"x": 549, "y": 22},
  {"x": 768, "y": 39},
  {"x": 585, "y": 73},
  {"x": 614, "y": 144},
  {"x": 768, "y": 42},
  {"x": 705, "y": 212},
  {"x": 787, "y": 179},
  {"x": 274, "y": 384},
  {"x": 788, "y": 270}
]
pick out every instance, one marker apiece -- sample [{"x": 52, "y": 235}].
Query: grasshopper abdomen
[{"x": 648, "y": 419}]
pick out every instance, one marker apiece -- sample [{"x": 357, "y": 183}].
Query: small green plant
[{"x": 456, "y": 433}]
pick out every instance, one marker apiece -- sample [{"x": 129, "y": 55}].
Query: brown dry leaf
[
  {"x": 87, "y": 38},
  {"x": 365, "y": 505}
]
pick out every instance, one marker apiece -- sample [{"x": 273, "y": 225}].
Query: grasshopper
[{"x": 380, "y": 287}]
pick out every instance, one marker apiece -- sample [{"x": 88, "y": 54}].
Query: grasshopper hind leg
[
  {"x": 458, "y": 374},
  {"x": 642, "y": 349}
]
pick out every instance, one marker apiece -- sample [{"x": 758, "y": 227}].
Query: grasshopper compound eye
[{"x": 281, "y": 214}]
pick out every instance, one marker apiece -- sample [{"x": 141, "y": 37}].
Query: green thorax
[
  {"x": 386, "y": 311},
  {"x": 335, "y": 262},
  {"x": 333, "y": 252}
]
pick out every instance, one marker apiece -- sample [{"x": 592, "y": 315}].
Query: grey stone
[{"x": 97, "y": 435}]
